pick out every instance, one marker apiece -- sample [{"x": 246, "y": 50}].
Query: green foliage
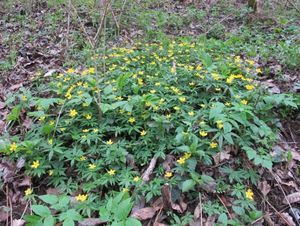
[{"x": 190, "y": 100}]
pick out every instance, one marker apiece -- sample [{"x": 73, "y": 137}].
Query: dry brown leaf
[
  {"x": 144, "y": 213},
  {"x": 167, "y": 200},
  {"x": 149, "y": 170},
  {"x": 264, "y": 187},
  {"x": 25, "y": 182},
  {"x": 90, "y": 222},
  {"x": 18, "y": 222},
  {"x": 221, "y": 156},
  {"x": 210, "y": 221},
  {"x": 288, "y": 218},
  {"x": 268, "y": 219},
  {"x": 15, "y": 87},
  {"x": 2, "y": 105},
  {"x": 292, "y": 198},
  {"x": 4, "y": 214}
]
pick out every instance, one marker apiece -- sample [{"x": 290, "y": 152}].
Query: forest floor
[{"x": 48, "y": 40}]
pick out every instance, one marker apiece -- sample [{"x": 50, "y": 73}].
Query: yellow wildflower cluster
[{"x": 185, "y": 157}]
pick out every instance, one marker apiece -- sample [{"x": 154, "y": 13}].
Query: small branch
[
  {"x": 293, "y": 4},
  {"x": 100, "y": 28},
  {"x": 225, "y": 207},
  {"x": 148, "y": 172}
]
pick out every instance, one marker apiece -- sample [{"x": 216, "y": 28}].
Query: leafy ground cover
[{"x": 181, "y": 131}]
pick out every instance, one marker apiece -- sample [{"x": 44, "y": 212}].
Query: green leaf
[
  {"x": 108, "y": 90},
  {"x": 238, "y": 210},
  {"x": 267, "y": 164},
  {"x": 132, "y": 222},
  {"x": 124, "y": 209},
  {"x": 49, "y": 221},
  {"x": 122, "y": 80},
  {"x": 227, "y": 127},
  {"x": 45, "y": 103},
  {"x": 15, "y": 113},
  {"x": 223, "y": 219},
  {"x": 215, "y": 112},
  {"x": 228, "y": 138},
  {"x": 188, "y": 185},
  {"x": 69, "y": 222},
  {"x": 40, "y": 210},
  {"x": 50, "y": 199},
  {"x": 251, "y": 153},
  {"x": 105, "y": 107},
  {"x": 36, "y": 114}
]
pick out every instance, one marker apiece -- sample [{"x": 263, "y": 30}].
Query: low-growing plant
[{"x": 96, "y": 129}]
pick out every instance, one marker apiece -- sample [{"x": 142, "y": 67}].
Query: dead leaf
[
  {"x": 25, "y": 182},
  {"x": 90, "y": 222},
  {"x": 288, "y": 218},
  {"x": 264, "y": 187},
  {"x": 292, "y": 198},
  {"x": 50, "y": 72},
  {"x": 144, "y": 213},
  {"x": 268, "y": 219},
  {"x": 167, "y": 200},
  {"x": 4, "y": 213},
  {"x": 168, "y": 163},
  {"x": 210, "y": 221},
  {"x": 15, "y": 87},
  {"x": 53, "y": 191},
  {"x": 2, "y": 105},
  {"x": 27, "y": 123},
  {"x": 18, "y": 222},
  {"x": 221, "y": 156}
]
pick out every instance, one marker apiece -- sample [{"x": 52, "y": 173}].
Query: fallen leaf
[
  {"x": 292, "y": 198},
  {"x": 221, "y": 156},
  {"x": 288, "y": 218},
  {"x": 144, "y": 213},
  {"x": 2, "y": 105},
  {"x": 50, "y": 72},
  {"x": 15, "y": 87},
  {"x": 4, "y": 213},
  {"x": 268, "y": 219},
  {"x": 90, "y": 222},
  {"x": 25, "y": 182},
  {"x": 264, "y": 187},
  {"x": 210, "y": 221},
  {"x": 18, "y": 222}
]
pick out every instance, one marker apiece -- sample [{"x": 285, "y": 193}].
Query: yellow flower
[
  {"x": 227, "y": 104},
  {"x": 215, "y": 76},
  {"x": 109, "y": 142},
  {"x": 50, "y": 172},
  {"x": 51, "y": 123},
  {"x": 152, "y": 91},
  {"x": 125, "y": 190},
  {"x": 28, "y": 191},
  {"x": 176, "y": 108},
  {"x": 111, "y": 172},
  {"x": 82, "y": 158},
  {"x": 182, "y": 99},
  {"x": 213, "y": 145},
  {"x": 191, "y": 113},
  {"x": 143, "y": 133},
  {"x": 249, "y": 194},
  {"x": 157, "y": 84},
  {"x": 173, "y": 69},
  {"x": 50, "y": 141},
  {"x": 73, "y": 113},
  {"x": 91, "y": 70},
  {"x": 70, "y": 70},
  {"x": 187, "y": 155},
  {"x": 35, "y": 164},
  {"x": 131, "y": 120},
  {"x": 85, "y": 131},
  {"x": 258, "y": 71},
  {"x": 62, "y": 129},
  {"x": 203, "y": 133},
  {"x": 168, "y": 116},
  {"x": 24, "y": 98},
  {"x": 136, "y": 179},
  {"x": 92, "y": 166},
  {"x": 244, "y": 102},
  {"x": 181, "y": 160},
  {"x": 81, "y": 197},
  {"x": 95, "y": 130},
  {"x": 220, "y": 124},
  {"x": 191, "y": 83},
  {"x": 42, "y": 118},
  {"x": 168, "y": 174},
  {"x": 88, "y": 116},
  {"x": 13, "y": 146},
  {"x": 249, "y": 87}
]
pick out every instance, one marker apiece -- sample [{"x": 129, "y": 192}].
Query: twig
[
  {"x": 293, "y": 4},
  {"x": 288, "y": 202},
  {"x": 279, "y": 214},
  {"x": 201, "y": 209},
  {"x": 27, "y": 204},
  {"x": 82, "y": 27},
  {"x": 100, "y": 28},
  {"x": 219, "y": 22},
  {"x": 68, "y": 28},
  {"x": 224, "y": 206},
  {"x": 148, "y": 172}
]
